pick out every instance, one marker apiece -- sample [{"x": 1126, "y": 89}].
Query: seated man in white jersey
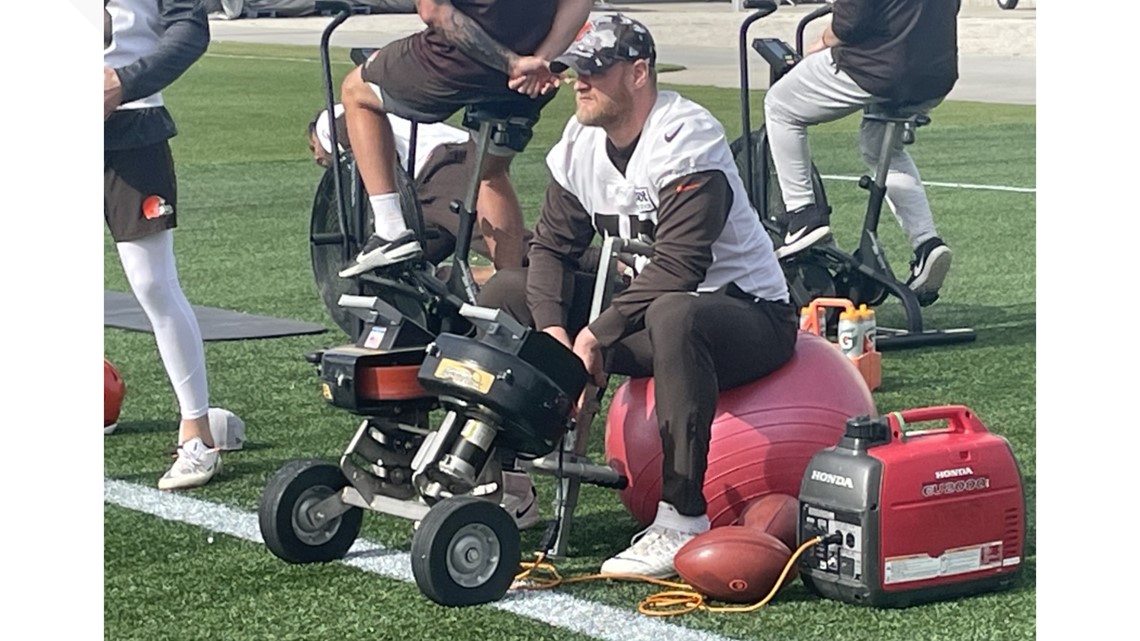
[
  {"x": 709, "y": 311},
  {"x": 444, "y": 161}
]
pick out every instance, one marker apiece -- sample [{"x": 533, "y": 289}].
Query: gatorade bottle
[
  {"x": 867, "y": 325},
  {"x": 849, "y": 335},
  {"x": 817, "y": 324}
]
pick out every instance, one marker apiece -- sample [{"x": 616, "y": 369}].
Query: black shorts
[
  {"x": 139, "y": 191},
  {"x": 412, "y": 90}
]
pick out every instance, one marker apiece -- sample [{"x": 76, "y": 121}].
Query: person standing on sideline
[{"x": 147, "y": 45}]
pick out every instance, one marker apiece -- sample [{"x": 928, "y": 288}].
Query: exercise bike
[
  {"x": 341, "y": 221},
  {"x": 420, "y": 345},
  {"x": 824, "y": 270}
]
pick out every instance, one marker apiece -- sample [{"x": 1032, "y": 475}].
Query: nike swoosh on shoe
[
  {"x": 916, "y": 271},
  {"x": 791, "y": 238},
  {"x": 520, "y": 511}
]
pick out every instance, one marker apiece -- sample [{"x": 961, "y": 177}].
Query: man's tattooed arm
[{"x": 466, "y": 34}]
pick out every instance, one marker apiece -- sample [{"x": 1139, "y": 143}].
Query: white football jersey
[
  {"x": 136, "y": 27},
  {"x": 679, "y": 138},
  {"x": 428, "y": 136}
]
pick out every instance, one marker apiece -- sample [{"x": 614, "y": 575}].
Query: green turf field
[{"x": 246, "y": 186}]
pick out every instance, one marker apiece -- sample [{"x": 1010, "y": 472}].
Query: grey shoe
[{"x": 520, "y": 499}]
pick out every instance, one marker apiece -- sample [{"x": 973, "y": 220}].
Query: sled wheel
[
  {"x": 290, "y": 529},
  {"x": 465, "y": 552}
]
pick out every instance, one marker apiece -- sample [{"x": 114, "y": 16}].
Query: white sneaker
[
  {"x": 196, "y": 465},
  {"x": 520, "y": 499},
  {"x": 650, "y": 555},
  {"x": 652, "y": 550}
]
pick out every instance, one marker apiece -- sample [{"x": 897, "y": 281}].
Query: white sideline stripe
[
  {"x": 1020, "y": 190},
  {"x": 553, "y": 608}
]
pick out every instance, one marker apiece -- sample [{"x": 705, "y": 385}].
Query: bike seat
[
  {"x": 506, "y": 131},
  {"x": 896, "y": 112},
  {"x": 902, "y": 114},
  {"x": 359, "y": 54}
]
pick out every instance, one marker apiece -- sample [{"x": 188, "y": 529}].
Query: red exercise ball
[
  {"x": 113, "y": 392},
  {"x": 763, "y": 435}
]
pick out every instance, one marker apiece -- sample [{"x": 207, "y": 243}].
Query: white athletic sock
[
  {"x": 669, "y": 517},
  {"x": 389, "y": 216}
]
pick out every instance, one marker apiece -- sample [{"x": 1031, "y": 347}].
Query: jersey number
[{"x": 611, "y": 225}]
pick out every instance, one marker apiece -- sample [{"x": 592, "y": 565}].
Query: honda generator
[{"x": 912, "y": 516}]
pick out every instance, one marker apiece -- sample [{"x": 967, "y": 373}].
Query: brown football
[
  {"x": 733, "y": 563},
  {"x": 776, "y": 514}
]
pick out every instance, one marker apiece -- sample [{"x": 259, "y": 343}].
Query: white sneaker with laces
[
  {"x": 196, "y": 465},
  {"x": 652, "y": 550},
  {"x": 520, "y": 499}
]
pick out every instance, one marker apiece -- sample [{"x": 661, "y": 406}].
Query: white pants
[
  {"x": 814, "y": 92},
  {"x": 149, "y": 267}
]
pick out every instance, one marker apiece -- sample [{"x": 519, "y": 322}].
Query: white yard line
[
  {"x": 929, "y": 183},
  {"x": 553, "y": 608}
]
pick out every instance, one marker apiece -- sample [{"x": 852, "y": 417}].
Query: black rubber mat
[{"x": 120, "y": 309}]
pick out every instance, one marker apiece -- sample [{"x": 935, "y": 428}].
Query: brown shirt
[{"x": 519, "y": 25}]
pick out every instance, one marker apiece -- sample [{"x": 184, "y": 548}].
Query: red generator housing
[{"x": 912, "y": 516}]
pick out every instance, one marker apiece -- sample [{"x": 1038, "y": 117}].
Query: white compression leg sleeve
[{"x": 149, "y": 266}]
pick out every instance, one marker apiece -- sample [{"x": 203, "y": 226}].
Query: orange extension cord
[{"x": 680, "y": 599}]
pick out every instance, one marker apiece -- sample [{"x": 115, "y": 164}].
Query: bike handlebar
[{"x": 818, "y": 13}]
